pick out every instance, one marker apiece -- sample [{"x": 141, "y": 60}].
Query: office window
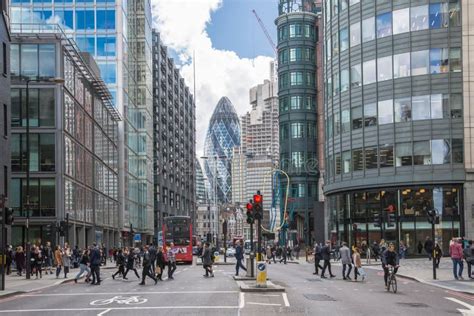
[
  {"x": 370, "y": 114},
  {"x": 106, "y": 19},
  {"x": 295, "y": 103},
  {"x": 108, "y": 72},
  {"x": 282, "y": 54},
  {"x": 419, "y": 19},
  {"x": 298, "y": 190},
  {"x": 369, "y": 74},
  {"x": 346, "y": 161},
  {"x": 401, "y": 20},
  {"x": 309, "y": 103},
  {"x": 346, "y": 121},
  {"x": 437, "y": 106},
  {"x": 5, "y": 62},
  {"x": 29, "y": 60},
  {"x": 344, "y": 80},
  {"x": 355, "y": 34},
  {"x": 335, "y": 43},
  {"x": 47, "y": 57},
  {"x": 439, "y": 60},
  {"x": 368, "y": 29},
  {"x": 336, "y": 86},
  {"x": 65, "y": 18},
  {"x": 42, "y": 152},
  {"x": 457, "y": 147},
  {"x": 5, "y": 121},
  {"x": 454, "y": 13},
  {"x": 344, "y": 37},
  {"x": 106, "y": 46},
  {"x": 297, "y": 130},
  {"x": 47, "y": 152},
  {"x": 384, "y": 25},
  {"x": 421, "y": 107},
  {"x": 337, "y": 124},
  {"x": 296, "y": 54},
  {"x": 309, "y": 79},
  {"x": 328, "y": 49},
  {"x": 401, "y": 65},
  {"x": 356, "y": 76},
  {"x": 420, "y": 62},
  {"x": 422, "y": 153},
  {"x": 357, "y": 159},
  {"x": 85, "y": 19},
  {"x": 371, "y": 158},
  {"x": 440, "y": 150},
  {"x": 308, "y": 31},
  {"x": 402, "y": 110},
  {"x": 385, "y": 112},
  {"x": 330, "y": 129},
  {"x": 42, "y": 107},
  {"x": 404, "y": 154},
  {"x": 14, "y": 60},
  {"x": 283, "y": 80},
  {"x": 296, "y": 30},
  {"x": 455, "y": 101},
  {"x": 296, "y": 78},
  {"x": 356, "y": 117},
  {"x": 284, "y": 131},
  {"x": 284, "y": 104},
  {"x": 308, "y": 54},
  {"x": 439, "y": 16},
  {"x": 384, "y": 68},
  {"x": 455, "y": 59},
  {"x": 283, "y": 33},
  {"x": 337, "y": 163},
  {"x": 297, "y": 159},
  {"x": 311, "y": 131},
  {"x": 386, "y": 155},
  {"x": 86, "y": 43}
]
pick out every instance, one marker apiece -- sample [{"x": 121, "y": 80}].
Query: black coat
[
  {"x": 130, "y": 260},
  {"x": 160, "y": 259},
  {"x": 326, "y": 253}
]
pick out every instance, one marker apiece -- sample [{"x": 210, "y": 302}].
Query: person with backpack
[
  {"x": 317, "y": 258},
  {"x": 120, "y": 261}
]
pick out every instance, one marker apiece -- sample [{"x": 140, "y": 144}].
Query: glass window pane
[
  {"x": 29, "y": 60},
  {"x": 344, "y": 37},
  {"x": 401, "y": 65},
  {"x": 337, "y": 124},
  {"x": 439, "y": 60},
  {"x": 344, "y": 80},
  {"x": 46, "y": 107},
  {"x": 420, "y": 62},
  {"x": 355, "y": 34},
  {"x": 336, "y": 85},
  {"x": 48, "y": 197},
  {"x": 371, "y": 158},
  {"x": 356, "y": 117},
  {"x": 357, "y": 159},
  {"x": 455, "y": 59},
  {"x": 440, "y": 150},
  {"x": 47, "y": 55},
  {"x": 295, "y": 103},
  {"x": 438, "y": 15},
  {"x": 436, "y": 106},
  {"x": 384, "y": 68},
  {"x": 47, "y": 151},
  {"x": 335, "y": 43},
  {"x": 401, "y": 20},
  {"x": 386, "y": 155},
  {"x": 108, "y": 72},
  {"x": 356, "y": 76},
  {"x": 297, "y": 130},
  {"x": 419, "y": 18},
  {"x": 346, "y": 121},
  {"x": 346, "y": 161},
  {"x": 86, "y": 44},
  {"x": 369, "y": 72},
  {"x": 454, "y": 13},
  {"x": 14, "y": 60},
  {"x": 457, "y": 148},
  {"x": 384, "y": 25},
  {"x": 105, "y": 19},
  {"x": 422, "y": 153},
  {"x": 404, "y": 154},
  {"x": 455, "y": 100},
  {"x": 370, "y": 114},
  {"x": 403, "y": 110},
  {"x": 368, "y": 29},
  {"x": 421, "y": 107},
  {"x": 385, "y": 112}
]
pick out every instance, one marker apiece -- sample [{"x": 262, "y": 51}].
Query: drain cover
[
  {"x": 422, "y": 305},
  {"x": 319, "y": 297}
]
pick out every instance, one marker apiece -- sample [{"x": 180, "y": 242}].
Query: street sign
[{"x": 137, "y": 238}]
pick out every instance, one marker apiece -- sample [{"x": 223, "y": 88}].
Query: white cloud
[{"x": 182, "y": 25}]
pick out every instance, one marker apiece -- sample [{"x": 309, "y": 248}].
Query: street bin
[{"x": 261, "y": 274}]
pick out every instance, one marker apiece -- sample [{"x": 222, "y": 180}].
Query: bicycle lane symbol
[{"x": 122, "y": 300}]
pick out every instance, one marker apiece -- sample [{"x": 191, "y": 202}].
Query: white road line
[
  {"x": 114, "y": 309},
  {"x": 285, "y": 299},
  {"x": 124, "y": 293},
  {"x": 263, "y": 304},
  {"x": 267, "y": 295},
  {"x": 242, "y": 300},
  {"x": 104, "y": 312},
  {"x": 466, "y": 312}
]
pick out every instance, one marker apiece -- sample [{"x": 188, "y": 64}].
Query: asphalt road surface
[{"x": 192, "y": 294}]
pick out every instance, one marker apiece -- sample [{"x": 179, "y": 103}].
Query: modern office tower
[
  {"x": 118, "y": 35},
  {"x": 201, "y": 194},
  {"x": 174, "y": 138},
  {"x": 298, "y": 24},
  {"x": 395, "y": 129},
  {"x": 73, "y": 135},
  {"x": 222, "y": 136}
]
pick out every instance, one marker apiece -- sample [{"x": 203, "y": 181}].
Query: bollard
[
  {"x": 248, "y": 265},
  {"x": 261, "y": 274}
]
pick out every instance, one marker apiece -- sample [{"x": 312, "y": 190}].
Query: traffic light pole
[
  {"x": 259, "y": 239},
  {"x": 433, "y": 256},
  {"x": 252, "y": 272}
]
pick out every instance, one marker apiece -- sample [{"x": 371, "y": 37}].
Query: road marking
[
  {"x": 285, "y": 299},
  {"x": 114, "y": 308},
  {"x": 267, "y": 295},
  {"x": 263, "y": 304},
  {"x": 469, "y": 311},
  {"x": 466, "y": 296},
  {"x": 242, "y": 300},
  {"x": 104, "y": 312},
  {"x": 133, "y": 293}
]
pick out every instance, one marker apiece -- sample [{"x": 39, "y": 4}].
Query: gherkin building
[{"x": 222, "y": 136}]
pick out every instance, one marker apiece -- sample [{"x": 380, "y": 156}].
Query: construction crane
[{"x": 266, "y": 32}]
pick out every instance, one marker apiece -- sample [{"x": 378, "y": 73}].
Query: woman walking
[
  {"x": 207, "y": 261},
  {"x": 131, "y": 264},
  {"x": 160, "y": 263},
  {"x": 120, "y": 260},
  {"x": 66, "y": 258},
  {"x": 58, "y": 257},
  {"x": 20, "y": 260},
  {"x": 84, "y": 266},
  {"x": 357, "y": 264},
  {"x": 38, "y": 262}
]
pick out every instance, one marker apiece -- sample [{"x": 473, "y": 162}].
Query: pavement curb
[{"x": 244, "y": 287}]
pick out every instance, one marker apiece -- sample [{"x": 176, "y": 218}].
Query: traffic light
[
  {"x": 377, "y": 220},
  {"x": 433, "y": 216},
  {"x": 62, "y": 228},
  {"x": 249, "y": 212},
  {"x": 257, "y": 205},
  {"x": 8, "y": 216},
  {"x": 391, "y": 219}
]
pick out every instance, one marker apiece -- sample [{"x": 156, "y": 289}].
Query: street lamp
[{"x": 27, "y": 114}]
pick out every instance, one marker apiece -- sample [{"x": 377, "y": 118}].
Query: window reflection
[
  {"x": 419, "y": 18},
  {"x": 401, "y": 20},
  {"x": 384, "y": 25}
]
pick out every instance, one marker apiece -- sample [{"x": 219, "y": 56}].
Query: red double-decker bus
[{"x": 179, "y": 230}]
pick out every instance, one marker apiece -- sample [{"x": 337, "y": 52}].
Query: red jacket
[{"x": 455, "y": 250}]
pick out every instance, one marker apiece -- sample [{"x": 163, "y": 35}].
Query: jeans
[
  {"x": 456, "y": 263},
  {"x": 58, "y": 271},
  {"x": 344, "y": 275},
  {"x": 83, "y": 268},
  {"x": 171, "y": 269},
  {"x": 238, "y": 265},
  {"x": 208, "y": 269}
]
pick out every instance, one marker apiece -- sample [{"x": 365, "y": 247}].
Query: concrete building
[
  {"x": 397, "y": 126},
  {"x": 300, "y": 94},
  {"x": 73, "y": 143},
  {"x": 118, "y": 35},
  {"x": 174, "y": 139}
]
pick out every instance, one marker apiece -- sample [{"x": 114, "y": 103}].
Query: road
[{"x": 192, "y": 294}]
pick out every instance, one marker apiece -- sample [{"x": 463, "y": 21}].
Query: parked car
[{"x": 230, "y": 252}]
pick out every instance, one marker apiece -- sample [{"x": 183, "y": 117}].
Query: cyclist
[{"x": 389, "y": 258}]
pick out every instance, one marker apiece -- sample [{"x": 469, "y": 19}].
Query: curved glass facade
[
  {"x": 223, "y": 135},
  {"x": 394, "y": 115}
]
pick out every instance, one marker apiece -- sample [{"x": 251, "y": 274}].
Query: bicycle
[{"x": 392, "y": 280}]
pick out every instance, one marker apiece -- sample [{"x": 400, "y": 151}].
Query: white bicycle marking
[{"x": 130, "y": 300}]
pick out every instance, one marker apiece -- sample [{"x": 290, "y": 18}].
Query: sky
[{"x": 232, "y": 52}]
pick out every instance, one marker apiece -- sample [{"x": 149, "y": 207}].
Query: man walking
[
  {"x": 326, "y": 254},
  {"x": 120, "y": 260},
  {"x": 207, "y": 260},
  {"x": 152, "y": 251},
  {"x": 317, "y": 258},
  {"x": 429, "y": 247},
  {"x": 171, "y": 261},
  {"x": 147, "y": 267},
  {"x": 239, "y": 256},
  {"x": 345, "y": 253},
  {"x": 95, "y": 264},
  {"x": 130, "y": 263}
]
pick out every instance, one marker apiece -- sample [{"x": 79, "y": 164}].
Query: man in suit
[
  {"x": 95, "y": 264},
  {"x": 239, "y": 256},
  {"x": 326, "y": 254}
]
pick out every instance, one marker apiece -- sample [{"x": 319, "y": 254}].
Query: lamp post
[{"x": 27, "y": 114}]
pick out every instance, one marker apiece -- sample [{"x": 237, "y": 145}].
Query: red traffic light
[
  {"x": 257, "y": 198},
  {"x": 249, "y": 206}
]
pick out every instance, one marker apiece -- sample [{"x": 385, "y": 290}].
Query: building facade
[
  {"x": 118, "y": 35},
  {"x": 298, "y": 92},
  {"x": 174, "y": 139},
  {"x": 73, "y": 144},
  {"x": 394, "y": 113}
]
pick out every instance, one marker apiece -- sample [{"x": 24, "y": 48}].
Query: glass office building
[
  {"x": 394, "y": 120},
  {"x": 118, "y": 35}
]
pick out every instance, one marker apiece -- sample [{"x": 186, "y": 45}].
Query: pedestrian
[
  {"x": 274, "y": 254},
  {"x": 66, "y": 258},
  {"x": 120, "y": 261},
  {"x": 402, "y": 249},
  {"x": 268, "y": 253},
  {"x": 288, "y": 253},
  {"x": 429, "y": 247},
  {"x": 48, "y": 258},
  {"x": 207, "y": 260},
  {"x": 297, "y": 251},
  {"x": 84, "y": 262},
  {"x": 19, "y": 260},
  {"x": 9, "y": 259},
  {"x": 95, "y": 259},
  {"x": 468, "y": 253},
  {"x": 58, "y": 258},
  {"x": 171, "y": 261},
  {"x": 438, "y": 254},
  {"x": 239, "y": 256},
  {"x": 38, "y": 262},
  {"x": 147, "y": 267},
  {"x": 346, "y": 261},
  {"x": 419, "y": 247},
  {"x": 375, "y": 250},
  {"x": 131, "y": 263},
  {"x": 326, "y": 254},
  {"x": 152, "y": 251},
  {"x": 317, "y": 258},
  {"x": 160, "y": 263},
  {"x": 382, "y": 246},
  {"x": 358, "y": 270},
  {"x": 456, "y": 253}
]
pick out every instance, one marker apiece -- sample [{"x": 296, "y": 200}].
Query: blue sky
[{"x": 234, "y": 27}]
